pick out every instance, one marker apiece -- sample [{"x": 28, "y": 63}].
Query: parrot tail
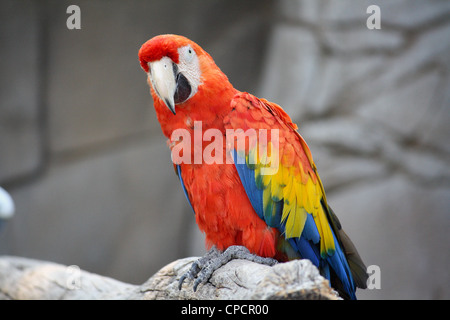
[{"x": 357, "y": 266}]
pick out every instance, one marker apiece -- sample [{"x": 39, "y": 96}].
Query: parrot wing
[
  {"x": 281, "y": 181},
  {"x": 177, "y": 169}
]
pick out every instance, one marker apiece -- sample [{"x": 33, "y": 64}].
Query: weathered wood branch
[{"x": 22, "y": 278}]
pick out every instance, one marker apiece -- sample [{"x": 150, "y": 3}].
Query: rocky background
[{"x": 82, "y": 154}]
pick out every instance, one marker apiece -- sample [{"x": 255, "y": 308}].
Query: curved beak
[{"x": 163, "y": 79}]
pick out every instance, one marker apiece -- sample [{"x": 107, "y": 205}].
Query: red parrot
[{"x": 257, "y": 206}]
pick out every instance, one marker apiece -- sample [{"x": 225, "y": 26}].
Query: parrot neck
[{"x": 209, "y": 105}]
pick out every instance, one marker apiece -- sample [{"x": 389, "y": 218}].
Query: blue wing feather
[
  {"x": 182, "y": 186},
  {"x": 247, "y": 177},
  {"x": 339, "y": 264}
]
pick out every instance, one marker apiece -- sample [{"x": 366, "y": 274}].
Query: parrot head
[{"x": 179, "y": 71}]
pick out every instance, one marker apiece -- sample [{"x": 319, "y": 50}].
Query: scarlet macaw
[{"x": 281, "y": 214}]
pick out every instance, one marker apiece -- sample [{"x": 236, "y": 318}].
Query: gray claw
[{"x": 203, "y": 268}]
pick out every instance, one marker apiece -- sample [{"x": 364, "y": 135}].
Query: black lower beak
[
  {"x": 170, "y": 105},
  {"x": 183, "y": 90}
]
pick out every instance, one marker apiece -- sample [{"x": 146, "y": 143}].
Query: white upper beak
[{"x": 163, "y": 81}]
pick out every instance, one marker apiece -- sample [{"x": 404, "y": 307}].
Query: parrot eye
[{"x": 187, "y": 53}]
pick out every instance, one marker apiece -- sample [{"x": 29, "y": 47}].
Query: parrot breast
[{"x": 223, "y": 211}]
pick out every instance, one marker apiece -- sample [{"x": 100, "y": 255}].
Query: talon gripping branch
[{"x": 283, "y": 215}]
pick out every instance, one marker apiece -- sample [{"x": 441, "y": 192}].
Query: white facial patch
[{"x": 189, "y": 66}]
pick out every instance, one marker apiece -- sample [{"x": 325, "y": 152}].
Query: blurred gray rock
[{"x": 27, "y": 279}]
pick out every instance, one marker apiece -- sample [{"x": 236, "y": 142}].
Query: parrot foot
[{"x": 202, "y": 269}]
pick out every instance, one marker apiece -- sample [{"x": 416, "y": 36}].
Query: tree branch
[{"x": 22, "y": 278}]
